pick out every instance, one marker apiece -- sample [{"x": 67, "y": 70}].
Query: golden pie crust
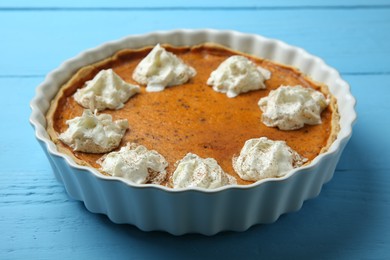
[{"x": 193, "y": 117}]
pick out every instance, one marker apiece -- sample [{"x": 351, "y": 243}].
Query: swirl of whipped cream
[
  {"x": 92, "y": 133},
  {"x": 237, "y": 74},
  {"x": 160, "y": 69},
  {"x": 290, "y": 108},
  {"x": 194, "y": 171},
  {"x": 264, "y": 158},
  {"x": 105, "y": 90},
  {"x": 135, "y": 163}
]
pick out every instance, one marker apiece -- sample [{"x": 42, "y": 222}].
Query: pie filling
[{"x": 192, "y": 117}]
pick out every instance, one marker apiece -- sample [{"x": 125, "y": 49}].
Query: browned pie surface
[{"x": 192, "y": 117}]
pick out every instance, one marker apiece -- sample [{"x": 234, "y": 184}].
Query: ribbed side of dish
[{"x": 152, "y": 207}]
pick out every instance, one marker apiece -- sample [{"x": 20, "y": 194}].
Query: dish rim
[{"x": 38, "y": 114}]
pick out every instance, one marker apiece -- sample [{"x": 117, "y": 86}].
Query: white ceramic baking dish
[{"x": 153, "y": 207}]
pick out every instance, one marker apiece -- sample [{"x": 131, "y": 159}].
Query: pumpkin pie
[{"x": 193, "y": 117}]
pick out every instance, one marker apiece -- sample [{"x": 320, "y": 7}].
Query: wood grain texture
[
  {"x": 341, "y": 37},
  {"x": 349, "y": 219}
]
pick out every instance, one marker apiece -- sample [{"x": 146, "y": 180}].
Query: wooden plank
[
  {"x": 190, "y": 4},
  {"x": 17, "y": 140},
  {"x": 363, "y": 151},
  {"x": 37, "y": 42},
  {"x": 368, "y": 147},
  {"x": 45, "y": 223}
]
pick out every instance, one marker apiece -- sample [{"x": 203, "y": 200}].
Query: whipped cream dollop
[
  {"x": 291, "y": 107},
  {"x": 236, "y": 75},
  {"x": 264, "y": 158},
  {"x": 160, "y": 69},
  {"x": 92, "y": 133},
  {"x": 135, "y": 163},
  {"x": 105, "y": 90},
  {"x": 194, "y": 171}
]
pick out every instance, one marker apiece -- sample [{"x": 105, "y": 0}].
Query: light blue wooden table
[{"x": 349, "y": 220}]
